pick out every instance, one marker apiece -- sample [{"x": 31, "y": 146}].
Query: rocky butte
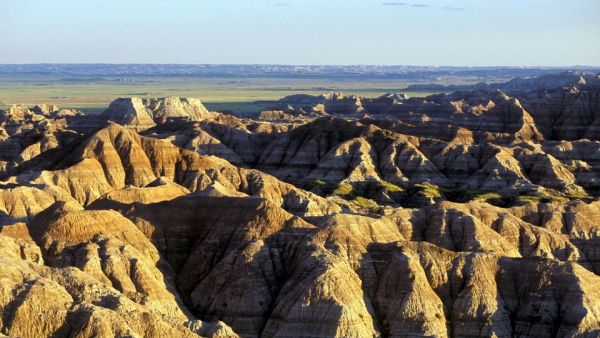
[{"x": 470, "y": 214}]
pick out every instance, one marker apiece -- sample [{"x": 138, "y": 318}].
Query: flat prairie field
[{"x": 222, "y": 94}]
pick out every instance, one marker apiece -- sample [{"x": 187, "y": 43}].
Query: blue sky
[{"x": 413, "y": 32}]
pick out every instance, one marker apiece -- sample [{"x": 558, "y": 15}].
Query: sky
[{"x": 306, "y": 32}]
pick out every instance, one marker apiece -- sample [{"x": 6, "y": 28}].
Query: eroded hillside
[{"x": 470, "y": 214}]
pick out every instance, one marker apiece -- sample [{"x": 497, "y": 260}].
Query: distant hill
[{"x": 420, "y": 72}]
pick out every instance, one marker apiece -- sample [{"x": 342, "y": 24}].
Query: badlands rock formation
[
  {"x": 141, "y": 114},
  {"x": 471, "y": 214}
]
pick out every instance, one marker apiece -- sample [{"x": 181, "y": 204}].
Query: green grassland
[{"x": 226, "y": 93}]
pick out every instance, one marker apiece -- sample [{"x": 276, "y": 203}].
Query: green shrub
[
  {"x": 365, "y": 203},
  {"x": 390, "y": 187},
  {"x": 428, "y": 190},
  {"x": 343, "y": 189}
]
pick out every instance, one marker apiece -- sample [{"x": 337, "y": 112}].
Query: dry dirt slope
[{"x": 203, "y": 226}]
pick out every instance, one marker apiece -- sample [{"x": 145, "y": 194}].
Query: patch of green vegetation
[
  {"x": 582, "y": 195},
  {"x": 490, "y": 197},
  {"x": 228, "y": 93},
  {"x": 380, "y": 191},
  {"x": 318, "y": 187},
  {"x": 428, "y": 190},
  {"x": 390, "y": 187},
  {"x": 544, "y": 198},
  {"x": 365, "y": 203},
  {"x": 344, "y": 189},
  {"x": 388, "y": 135},
  {"x": 373, "y": 195},
  {"x": 522, "y": 197}
]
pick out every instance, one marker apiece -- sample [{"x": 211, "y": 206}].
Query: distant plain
[{"x": 220, "y": 93}]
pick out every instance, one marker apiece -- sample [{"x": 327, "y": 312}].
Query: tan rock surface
[
  {"x": 38, "y": 301},
  {"x": 183, "y": 222}
]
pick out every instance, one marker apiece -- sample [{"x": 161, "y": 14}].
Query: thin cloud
[
  {"x": 394, "y": 4},
  {"x": 450, "y": 8},
  {"x": 421, "y": 5}
]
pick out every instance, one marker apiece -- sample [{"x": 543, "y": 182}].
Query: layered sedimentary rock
[
  {"x": 38, "y": 300},
  {"x": 141, "y": 114},
  {"x": 130, "y": 112},
  {"x": 471, "y": 214},
  {"x": 116, "y": 157},
  {"x": 28, "y": 132},
  {"x": 332, "y": 149}
]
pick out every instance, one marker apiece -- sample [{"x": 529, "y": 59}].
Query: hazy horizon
[
  {"x": 592, "y": 66},
  {"x": 511, "y": 33}
]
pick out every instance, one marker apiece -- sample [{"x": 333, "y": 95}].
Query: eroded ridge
[{"x": 470, "y": 214}]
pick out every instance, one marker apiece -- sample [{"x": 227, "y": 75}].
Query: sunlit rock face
[
  {"x": 472, "y": 214},
  {"x": 142, "y": 113}
]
